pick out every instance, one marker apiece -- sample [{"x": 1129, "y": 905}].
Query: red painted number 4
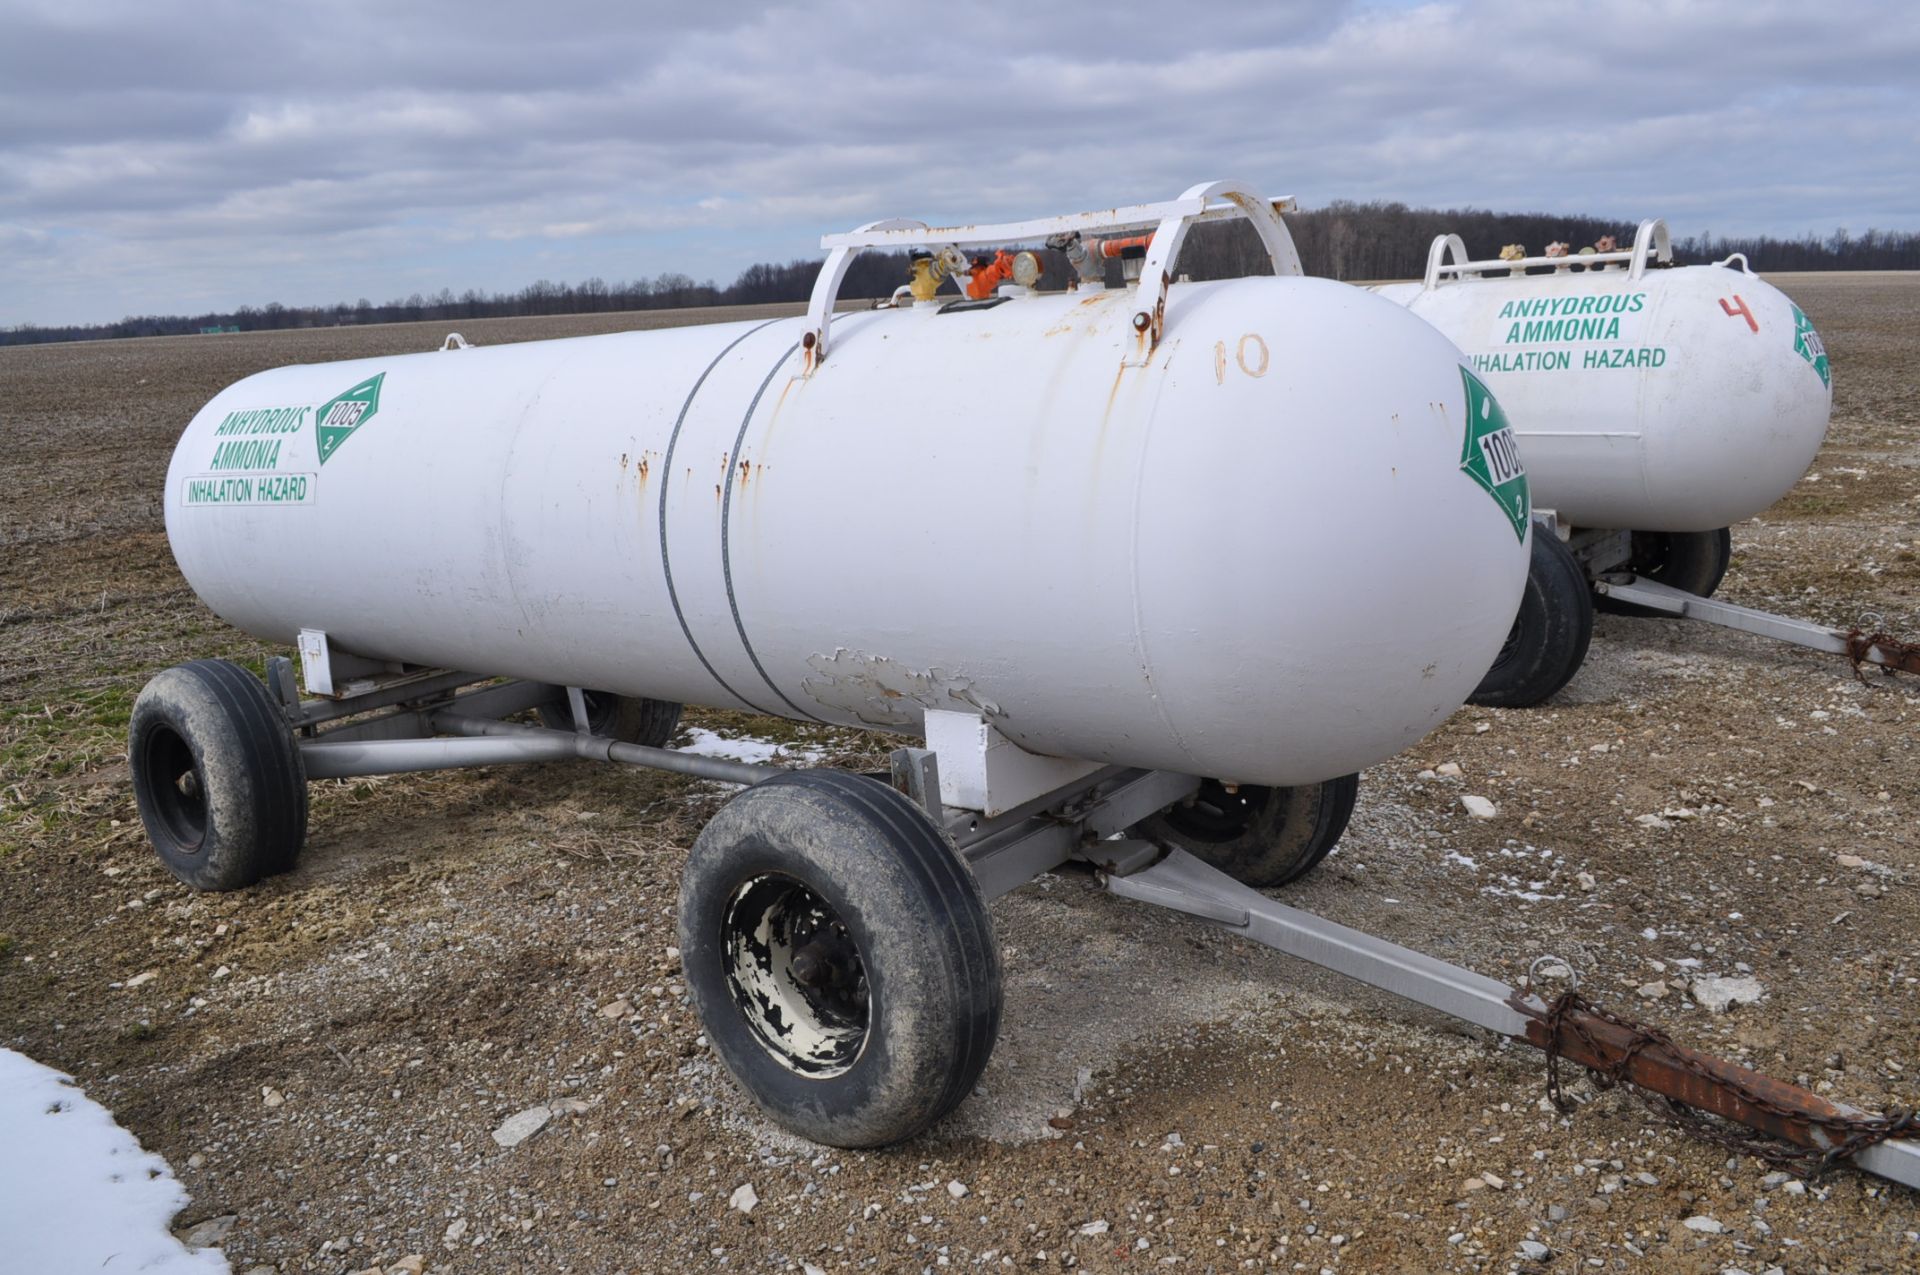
[{"x": 1739, "y": 309}]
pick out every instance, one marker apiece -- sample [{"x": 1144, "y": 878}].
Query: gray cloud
[{"x": 161, "y": 157}]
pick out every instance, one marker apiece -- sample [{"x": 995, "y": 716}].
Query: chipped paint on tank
[{"x": 882, "y": 692}]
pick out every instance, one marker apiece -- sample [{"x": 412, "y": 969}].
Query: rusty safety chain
[
  {"x": 1898, "y": 652},
  {"x": 1847, "y": 1136}
]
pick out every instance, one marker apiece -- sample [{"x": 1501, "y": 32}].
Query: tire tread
[
  {"x": 952, "y": 884},
  {"x": 270, "y": 780}
]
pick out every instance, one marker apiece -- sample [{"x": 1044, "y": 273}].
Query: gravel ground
[{"x": 325, "y": 1058}]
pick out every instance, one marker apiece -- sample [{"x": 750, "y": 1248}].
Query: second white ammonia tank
[
  {"x": 1275, "y": 554},
  {"x": 1650, "y": 399}
]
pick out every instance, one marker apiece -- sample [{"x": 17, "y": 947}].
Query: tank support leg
[
  {"x": 1577, "y": 1032},
  {"x": 1878, "y": 648}
]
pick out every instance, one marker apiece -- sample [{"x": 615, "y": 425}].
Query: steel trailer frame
[
  {"x": 1604, "y": 555},
  {"x": 1862, "y": 647},
  {"x": 423, "y": 719}
]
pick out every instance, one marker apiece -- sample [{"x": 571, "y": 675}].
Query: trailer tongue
[
  {"x": 1808, "y": 1132},
  {"x": 1889, "y": 653}
]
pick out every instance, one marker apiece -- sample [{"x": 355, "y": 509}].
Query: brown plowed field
[{"x": 441, "y": 958}]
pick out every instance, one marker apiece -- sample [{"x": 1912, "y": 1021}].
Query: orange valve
[
  {"x": 989, "y": 275},
  {"x": 1118, "y": 247}
]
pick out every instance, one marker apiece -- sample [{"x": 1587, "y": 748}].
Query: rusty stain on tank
[
  {"x": 1119, "y": 376},
  {"x": 1106, "y": 417},
  {"x": 773, "y": 415}
]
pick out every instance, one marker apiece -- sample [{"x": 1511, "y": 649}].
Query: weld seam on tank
[
  {"x": 726, "y": 551},
  {"x": 1140, "y": 652},
  {"x": 666, "y": 481},
  {"x": 849, "y": 328},
  {"x": 1643, "y": 386}
]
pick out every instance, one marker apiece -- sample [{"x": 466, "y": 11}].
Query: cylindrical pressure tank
[
  {"x": 1678, "y": 399},
  {"x": 1285, "y": 548}
]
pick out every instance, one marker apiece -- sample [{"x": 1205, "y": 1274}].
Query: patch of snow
[
  {"x": 1454, "y": 856},
  {"x": 1720, "y": 994},
  {"x": 1534, "y": 895},
  {"x": 76, "y": 1191},
  {"x": 748, "y": 748}
]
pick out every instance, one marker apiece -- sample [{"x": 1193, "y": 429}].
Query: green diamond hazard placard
[
  {"x": 1807, "y": 344},
  {"x": 340, "y": 416},
  {"x": 1490, "y": 457}
]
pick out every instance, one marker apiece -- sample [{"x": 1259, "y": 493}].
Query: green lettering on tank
[
  {"x": 1490, "y": 457},
  {"x": 1807, "y": 344},
  {"x": 339, "y": 417}
]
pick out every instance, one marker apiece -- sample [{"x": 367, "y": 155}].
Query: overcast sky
[{"x": 162, "y": 157}]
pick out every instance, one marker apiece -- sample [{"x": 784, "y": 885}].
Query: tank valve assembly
[
  {"x": 931, "y": 269},
  {"x": 1091, "y": 271}
]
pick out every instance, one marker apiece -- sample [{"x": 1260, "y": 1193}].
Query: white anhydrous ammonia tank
[
  {"x": 1275, "y": 554},
  {"x": 1680, "y": 399}
]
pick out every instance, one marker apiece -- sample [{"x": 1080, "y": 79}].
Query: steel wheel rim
[
  {"x": 796, "y": 976},
  {"x": 178, "y": 791}
]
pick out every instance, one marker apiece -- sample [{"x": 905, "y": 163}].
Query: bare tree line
[{"x": 1371, "y": 241}]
